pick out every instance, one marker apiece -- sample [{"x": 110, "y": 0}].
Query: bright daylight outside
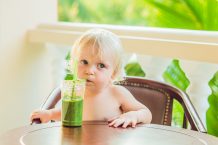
[{"x": 109, "y": 72}]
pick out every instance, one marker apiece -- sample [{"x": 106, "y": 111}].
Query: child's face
[{"x": 98, "y": 71}]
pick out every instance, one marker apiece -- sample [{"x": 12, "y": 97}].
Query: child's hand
[
  {"x": 126, "y": 119},
  {"x": 43, "y": 115}
]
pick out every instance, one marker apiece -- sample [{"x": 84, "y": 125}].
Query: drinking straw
[
  {"x": 75, "y": 68},
  {"x": 74, "y": 80}
]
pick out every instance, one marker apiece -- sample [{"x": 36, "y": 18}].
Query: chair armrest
[
  {"x": 52, "y": 99},
  {"x": 192, "y": 114}
]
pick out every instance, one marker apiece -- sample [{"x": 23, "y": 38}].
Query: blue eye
[
  {"x": 84, "y": 62},
  {"x": 101, "y": 65}
]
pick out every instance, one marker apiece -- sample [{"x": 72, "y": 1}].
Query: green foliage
[
  {"x": 121, "y": 12},
  {"x": 177, "y": 116},
  {"x": 176, "y": 76},
  {"x": 212, "y": 112},
  {"x": 134, "y": 69},
  {"x": 188, "y": 14}
]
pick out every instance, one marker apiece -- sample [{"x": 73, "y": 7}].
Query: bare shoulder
[
  {"x": 121, "y": 92},
  {"x": 126, "y": 99}
]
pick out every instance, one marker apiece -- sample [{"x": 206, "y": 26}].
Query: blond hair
[{"x": 105, "y": 42}]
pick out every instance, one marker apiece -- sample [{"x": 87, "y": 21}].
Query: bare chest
[{"x": 102, "y": 108}]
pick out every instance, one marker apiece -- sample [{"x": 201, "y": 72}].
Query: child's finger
[
  {"x": 126, "y": 123},
  {"x": 118, "y": 122},
  {"x": 134, "y": 122},
  {"x": 112, "y": 123},
  {"x": 112, "y": 119},
  {"x": 33, "y": 117}
]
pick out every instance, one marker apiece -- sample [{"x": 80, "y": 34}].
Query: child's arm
[
  {"x": 46, "y": 115},
  {"x": 134, "y": 111}
]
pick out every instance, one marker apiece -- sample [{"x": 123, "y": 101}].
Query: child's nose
[{"x": 90, "y": 70}]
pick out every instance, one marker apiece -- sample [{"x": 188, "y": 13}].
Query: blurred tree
[
  {"x": 121, "y": 12},
  {"x": 187, "y": 14}
]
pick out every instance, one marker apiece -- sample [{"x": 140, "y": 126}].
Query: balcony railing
[{"x": 173, "y": 43}]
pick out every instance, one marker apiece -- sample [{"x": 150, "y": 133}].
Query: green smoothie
[{"x": 72, "y": 110}]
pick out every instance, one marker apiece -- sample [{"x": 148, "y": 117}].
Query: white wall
[{"x": 24, "y": 71}]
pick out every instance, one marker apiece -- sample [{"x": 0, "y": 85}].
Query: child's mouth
[{"x": 88, "y": 82}]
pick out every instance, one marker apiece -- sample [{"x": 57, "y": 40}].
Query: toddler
[{"x": 98, "y": 53}]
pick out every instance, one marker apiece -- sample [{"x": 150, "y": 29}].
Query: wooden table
[{"x": 98, "y": 133}]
